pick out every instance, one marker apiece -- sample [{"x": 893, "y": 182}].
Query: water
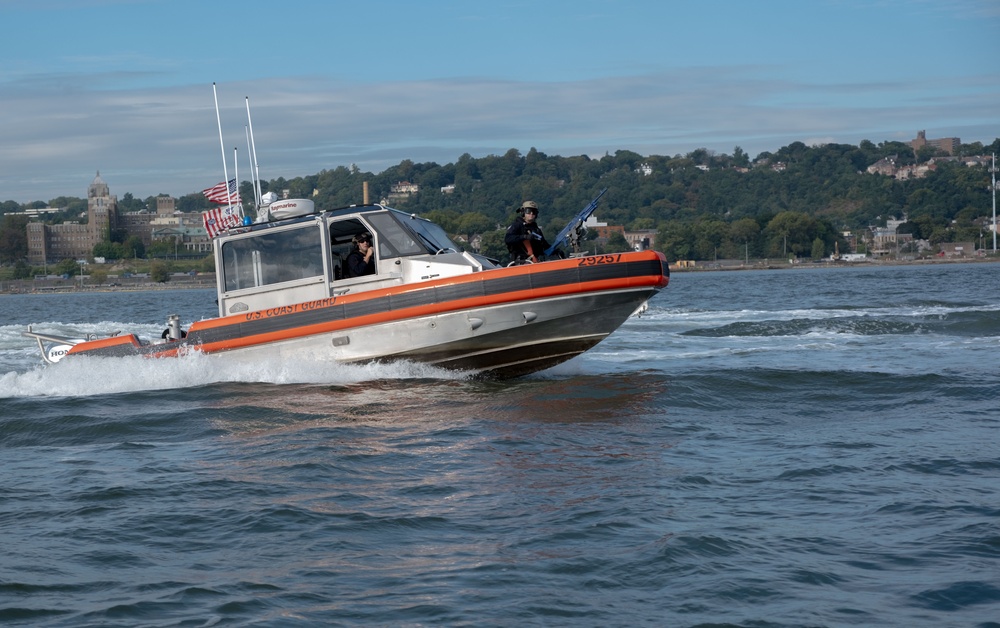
[{"x": 815, "y": 447}]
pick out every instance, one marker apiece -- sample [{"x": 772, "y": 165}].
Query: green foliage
[
  {"x": 67, "y": 267},
  {"x": 159, "y": 271},
  {"x": 703, "y": 205},
  {"x": 492, "y": 245},
  {"x": 22, "y": 270},
  {"x": 13, "y": 239},
  {"x": 98, "y": 275},
  {"x": 207, "y": 265},
  {"x": 133, "y": 247},
  {"x": 617, "y": 244},
  {"x": 128, "y": 203},
  {"x": 818, "y": 249}
]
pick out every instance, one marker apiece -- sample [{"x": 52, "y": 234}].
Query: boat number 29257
[{"x": 594, "y": 260}]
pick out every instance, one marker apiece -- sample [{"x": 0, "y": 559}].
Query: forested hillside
[{"x": 795, "y": 201}]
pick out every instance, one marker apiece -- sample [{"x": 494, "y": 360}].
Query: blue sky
[{"x": 125, "y": 86}]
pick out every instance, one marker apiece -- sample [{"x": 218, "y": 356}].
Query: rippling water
[{"x": 816, "y": 447}]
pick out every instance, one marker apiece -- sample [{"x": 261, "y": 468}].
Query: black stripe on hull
[
  {"x": 536, "y": 346},
  {"x": 417, "y": 297}
]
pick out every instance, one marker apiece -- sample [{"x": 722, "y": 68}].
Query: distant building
[
  {"x": 74, "y": 240},
  {"x": 947, "y": 144},
  {"x": 917, "y": 171},
  {"x": 958, "y": 249},
  {"x": 641, "y": 240},
  {"x": 36, "y": 213},
  {"x": 52, "y": 243},
  {"x": 402, "y": 190},
  {"x": 604, "y": 230},
  {"x": 886, "y": 240},
  {"x": 885, "y": 166}
]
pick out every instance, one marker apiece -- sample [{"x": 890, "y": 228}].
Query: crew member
[
  {"x": 524, "y": 237},
  {"x": 361, "y": 259}
]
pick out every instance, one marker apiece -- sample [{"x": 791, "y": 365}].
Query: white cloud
[{"x": 147, "y": 141}]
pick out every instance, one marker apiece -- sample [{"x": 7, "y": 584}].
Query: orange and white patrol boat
[{"x": 284, "y": 293}]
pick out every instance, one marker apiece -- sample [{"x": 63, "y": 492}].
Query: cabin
[{"x": 301, "y": 256}]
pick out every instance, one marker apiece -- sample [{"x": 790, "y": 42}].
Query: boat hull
[{"x": 496, "y": 323}]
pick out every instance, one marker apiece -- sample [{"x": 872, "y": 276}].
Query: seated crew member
[
  {"x": 361, "y": 259},
  {"x": 524, "y": 237}
]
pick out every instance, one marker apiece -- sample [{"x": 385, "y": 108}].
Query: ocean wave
[{"x": 94, "y": 376}]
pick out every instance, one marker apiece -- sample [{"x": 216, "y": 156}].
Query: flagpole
[{"x": 222, "y": 146}]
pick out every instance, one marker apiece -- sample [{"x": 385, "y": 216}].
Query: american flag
[
  {"x": 217, "y": 193},
  {"x": 221, "y": 218}
]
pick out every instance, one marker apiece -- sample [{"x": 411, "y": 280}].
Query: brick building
[{"x": 51, "y": 243}]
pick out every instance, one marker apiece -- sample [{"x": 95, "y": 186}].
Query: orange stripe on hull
[{"x": 427, "y": 310}]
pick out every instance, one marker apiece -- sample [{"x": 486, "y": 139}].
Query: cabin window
[
  {"x": 394, "y": 241},
  {"x": 272, "y": 257},
  {"x": 432, "y": 235},
  {"x": 342, "y": 234}
]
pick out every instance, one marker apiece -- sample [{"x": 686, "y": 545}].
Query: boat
[{"x": 284, "y": 293}]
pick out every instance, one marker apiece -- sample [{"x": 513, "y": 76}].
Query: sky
[{"x": 125, "y": 87}]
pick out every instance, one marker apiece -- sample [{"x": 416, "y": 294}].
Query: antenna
[
  {"x": 253, "y": 180},
  {"x": 236, "y": 171},
  {"x": 993, "y": 170},
  {"x": 255, "y": 170},
  {"x": 222, "y": 146}
]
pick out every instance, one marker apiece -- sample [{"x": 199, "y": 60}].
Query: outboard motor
[{"x": 173, "y": 330}]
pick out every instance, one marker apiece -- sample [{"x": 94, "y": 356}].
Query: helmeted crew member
[
  {"x": 361, "y": 259},
  {"x": 524, "y": 237}
]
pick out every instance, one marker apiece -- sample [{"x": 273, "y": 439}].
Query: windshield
[{"x": 431, "y": 235}]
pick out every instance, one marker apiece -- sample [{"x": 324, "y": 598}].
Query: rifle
[{"x": 575, "y": 226}]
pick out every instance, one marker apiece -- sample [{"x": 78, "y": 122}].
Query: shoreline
[
  {"x": 30, "y": 286},
  {"x": 736, "y": 265}
]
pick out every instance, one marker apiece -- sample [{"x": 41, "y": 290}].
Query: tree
[
  {"x": 129, "y": 203},
  {"x": 492, "y": 245},
  {"x": 13, "y": 239},
  {"x": 133, "y": 247},
  {"x": 740, "y": 158},
  {"x": 22, "y": 270},
  {"x": 818, "y": 249},
  {"x": 107, "y": 250},
  {"x": 674, "y": 240},
  {"x": 67, "y": 267},
  {"x": 98, "y": 275},
  {"x": 474, "y": 223},
  {"x": 207, "y": 265},
  {"x": 162, "y": 247},
  {"x": 744, "y": 230},
  {"x": 790, "y": 232},
  {"x": 617, "y": 243},
  {"x": 159, "y": 271}
]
